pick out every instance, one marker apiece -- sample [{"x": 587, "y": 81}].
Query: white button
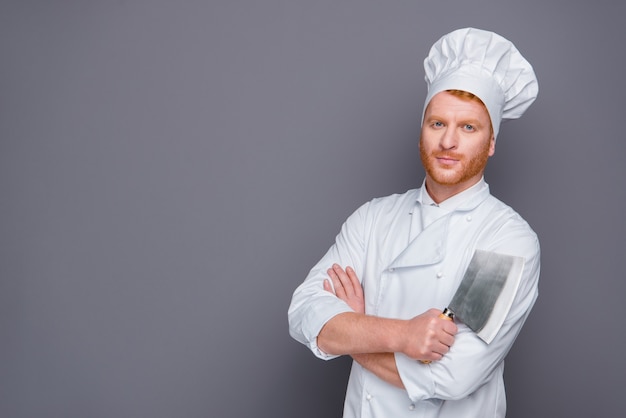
[
  {"x": 368, "y": 397},
  {"x": 468, "y": 218},
  {"x": 391, "y": 270},
  {"x": 411, "y": 407},
  {"x": 439, "y": 274}
]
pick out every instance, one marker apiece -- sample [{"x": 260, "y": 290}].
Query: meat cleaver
[{"x": 486, "y": 293}]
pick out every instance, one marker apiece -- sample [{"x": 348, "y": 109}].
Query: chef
[{"x": 377, "y": 293}]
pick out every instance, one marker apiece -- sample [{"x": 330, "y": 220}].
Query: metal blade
[{"x": 480, "y": 288}]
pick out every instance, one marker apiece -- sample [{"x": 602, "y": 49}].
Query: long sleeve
[
  {"x": 311, "y": 307},
  {"x": 471, "y": 362}
]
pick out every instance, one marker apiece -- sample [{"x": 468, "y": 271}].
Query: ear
[{"x": 492, "y": 145}]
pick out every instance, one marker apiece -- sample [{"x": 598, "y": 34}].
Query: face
[{"x": 455, "y": 144}]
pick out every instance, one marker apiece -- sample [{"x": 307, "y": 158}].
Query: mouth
[{"x": 446, "y": 159}]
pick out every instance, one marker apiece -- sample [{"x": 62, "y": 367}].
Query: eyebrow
[
  {"x": 469, "y": 121},
  {"x": 474, "y": 122}
]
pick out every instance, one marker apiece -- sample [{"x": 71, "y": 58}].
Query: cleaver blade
[{"x": 486, "y": 292}]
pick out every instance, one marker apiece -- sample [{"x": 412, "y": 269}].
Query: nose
[{"x": 449, "y": 139}]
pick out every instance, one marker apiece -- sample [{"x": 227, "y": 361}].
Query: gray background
[{"x": 170, "y": 171}]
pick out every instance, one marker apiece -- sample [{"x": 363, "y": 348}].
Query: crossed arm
[{"x": 372, "y": 341}]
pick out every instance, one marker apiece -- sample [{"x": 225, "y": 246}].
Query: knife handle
[{"x": 447, "y": 314}]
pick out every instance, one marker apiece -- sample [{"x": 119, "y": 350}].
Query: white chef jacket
[{"x": 410, "y": 256}]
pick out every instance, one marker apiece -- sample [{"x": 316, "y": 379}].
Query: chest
[{"x": 412, "y": 265}]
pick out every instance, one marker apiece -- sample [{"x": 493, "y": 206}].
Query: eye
[
  {"x": 437, "y": 124},
  {"x": 469, "y": 128}
]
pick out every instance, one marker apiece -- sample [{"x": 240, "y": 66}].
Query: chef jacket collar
[{"x": 454, "y": 202}]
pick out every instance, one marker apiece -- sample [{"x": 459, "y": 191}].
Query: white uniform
[{"x": 410, "y": 256}]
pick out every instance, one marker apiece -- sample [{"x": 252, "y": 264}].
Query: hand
[
  {"x": 428, "y": 336},
  {"x": 424, "y": 337},
  {"x": 347, "y": 287}
]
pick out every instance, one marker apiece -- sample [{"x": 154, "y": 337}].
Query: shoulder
[
  {"x": 396, "y": 200},
  {"x": 383, "y": 210},
  {"x": 507, "y": 229},
  {"x": 507, "y": 216}
]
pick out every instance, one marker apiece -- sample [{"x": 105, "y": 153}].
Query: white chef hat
[{"x": 485, "y": 64}]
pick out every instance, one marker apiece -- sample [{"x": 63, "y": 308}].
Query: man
[{"x": 376, "y": 294}]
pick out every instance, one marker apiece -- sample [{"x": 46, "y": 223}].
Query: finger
[
  {"x": 433, "y": 356},
  {"x": 447, "y": 339},
  {"x": 328, "y": 287},
  {"x": 339, "y": 290},
  {"x": 439, "y": 348},
  {"x": 450, "y": 328},
  {"x": 444, "y": 348},
  {"x": 354, "y": 281},
  {"x": 333, "y": 276},
  {"x": 343, "y": 277}
]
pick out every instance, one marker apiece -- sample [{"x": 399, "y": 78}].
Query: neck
[{"x": 440, "y": 192}]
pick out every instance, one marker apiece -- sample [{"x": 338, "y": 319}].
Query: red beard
[{"x": 464, "y": 170}]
